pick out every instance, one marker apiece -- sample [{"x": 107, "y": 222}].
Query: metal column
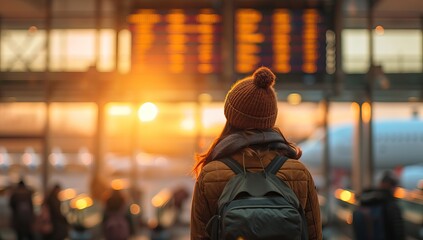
[
  {"x": 228, "y": 43},
  {"x": 368, "y": 131},
  {"x": 45, "y": 175}
]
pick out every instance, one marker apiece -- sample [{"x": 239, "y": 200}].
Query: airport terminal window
[
  {"x": 74, "y": 50},
  {"x": 73, "y": 119},
  {"x": 22, "y": 118},
  {"x": 398, "y": 51},
  {"x": 21, "y": 125},
  {"x": 73, "y": 127},
  {"x": 22, "y": 50},
  {"x": 159, "y": 135},
  {"x": 71, "y": 50}
]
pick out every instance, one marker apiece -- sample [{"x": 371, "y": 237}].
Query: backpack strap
[
  {"x": 274, "y": 166},
  {"x": 232, "y": 164}
]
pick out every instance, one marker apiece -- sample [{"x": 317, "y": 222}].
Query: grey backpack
[{"x": 257, "y": 206}]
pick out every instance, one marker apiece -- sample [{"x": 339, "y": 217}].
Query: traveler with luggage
[{"x": 379, "y": 216}]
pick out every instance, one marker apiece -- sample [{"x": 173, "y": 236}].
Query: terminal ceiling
[{"x": 391, "y": 14}]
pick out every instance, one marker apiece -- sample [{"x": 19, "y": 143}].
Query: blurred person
[
  {"x": 60, "y": 225},
  {"x": 160, "y": 233},
  {"x": 379, "y": 217},
  {"x": 116, "y": 224},
  {"x": 180, "y": 195},
  {"x": 43, "y": 225},
  {"x": 22, "y": 211},
  {"x": 250, "y": 107}
]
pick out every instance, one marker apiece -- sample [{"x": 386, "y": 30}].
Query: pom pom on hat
[
  {"x": 264, "y": 78},
  {"x": 251, "y": 102}
]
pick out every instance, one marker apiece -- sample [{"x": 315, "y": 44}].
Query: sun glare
[{"x": 147, "y": 112}]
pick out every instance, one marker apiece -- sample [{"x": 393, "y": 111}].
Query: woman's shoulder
[
  {"x": 294, "y": 164},
  {"x": 215, "y": 171},
  {"x": 294, "y": 170},
  {"x": 215, "y": 166}
]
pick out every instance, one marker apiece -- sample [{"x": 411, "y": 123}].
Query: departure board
[
  {"x": 287, "y": 40},
  {"x": 179, "y": 41}
]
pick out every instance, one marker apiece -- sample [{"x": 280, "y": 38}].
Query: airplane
[{"x": 397, "y": 145}]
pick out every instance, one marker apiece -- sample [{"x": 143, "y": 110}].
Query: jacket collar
[{"x": 236, "y": 141}]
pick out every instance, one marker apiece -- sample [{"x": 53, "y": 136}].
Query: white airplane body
[{"x": 397, "y": 144}]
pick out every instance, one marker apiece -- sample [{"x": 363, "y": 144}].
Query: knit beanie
[{"x": 252, "y": 102}]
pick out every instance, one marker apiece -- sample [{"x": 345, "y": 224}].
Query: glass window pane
[
  {"x": 396, "y": 51},
  {"x": 22, "y": 118}
]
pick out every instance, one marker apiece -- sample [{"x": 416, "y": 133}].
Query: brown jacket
[{"x": 215, "y": 175}]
